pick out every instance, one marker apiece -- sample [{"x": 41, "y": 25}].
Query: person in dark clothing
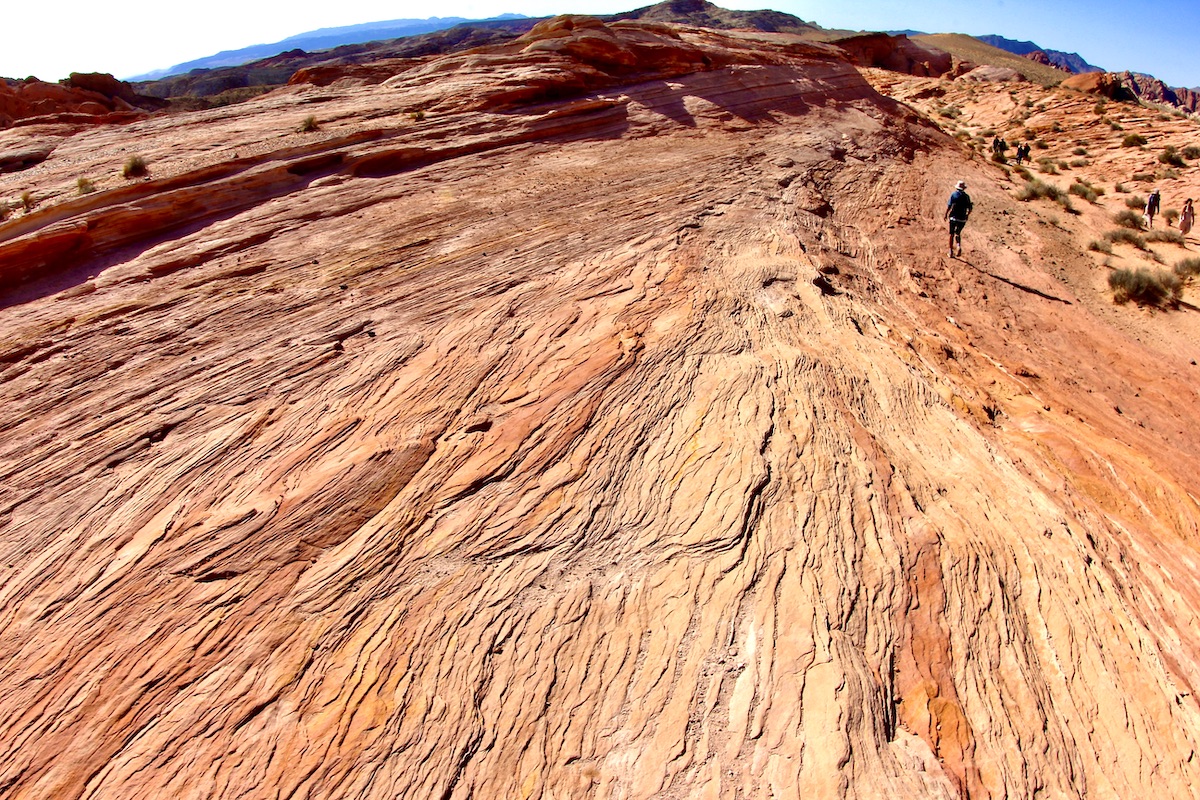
[
  {"x": 1153, "y": 203},
  {"x": 958, "y": 209}
]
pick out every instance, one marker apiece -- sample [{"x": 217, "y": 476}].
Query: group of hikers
[
  {"x": 1000, "y": 150},
  {"x": 1187, "y": 217},
  {"x": 959, "y": 207}
]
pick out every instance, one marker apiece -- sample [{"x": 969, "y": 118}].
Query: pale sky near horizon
[{"x": 131, "y": 37}]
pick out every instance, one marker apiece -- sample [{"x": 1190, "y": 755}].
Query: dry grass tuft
[{"x": 1146, "y": 288}]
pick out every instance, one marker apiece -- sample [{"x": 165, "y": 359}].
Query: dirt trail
[{"x": 658, "y": 454}]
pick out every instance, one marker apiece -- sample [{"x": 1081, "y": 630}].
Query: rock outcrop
[
  {"x": 1133, "y": 86},
  {"x": 93, "y": 97},
  {"x": 604, "y": 429},
  {"x": 896, "y": 53},
  {"x": 1040, "y": 57}
]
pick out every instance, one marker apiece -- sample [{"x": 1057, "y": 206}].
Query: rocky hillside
[{"x": 595, "y": 415}]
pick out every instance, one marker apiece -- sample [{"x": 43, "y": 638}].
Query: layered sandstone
[{"x": 595, "y": 416}]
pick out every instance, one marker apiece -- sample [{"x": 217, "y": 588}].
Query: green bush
[
  {"x": 1047, "y": 166},
  {"x": 84, "y": 186},
  {"x": 1079, "y": 151},
  {"x": 1143, "y": 177},
  {"x": 1115, "y": 126},
  {"x": 135, "y": 167},
  {"x": 1079, "y": 162},
  {"x": 309, "y": 125},
  {"x": 1134, "y": 201},
  {"x": 1188, "y": 268},
  {"x": 1170, "y": 157},
  {"x": 1035, "y": 189},
  {"x": 1100, "y": 246},
  {"x": 1146, "y": 288},
  {"x": 1170, "y": 215},
  {"x": 1084, "y": 191},
  {"x": 1133, "y": 140},
  {"x": 1174, "y": 237},
  {"x": 1123, "y": 236},
  {"x": 1128, "y": 218},
  {"x": 1192, "y": 152}
]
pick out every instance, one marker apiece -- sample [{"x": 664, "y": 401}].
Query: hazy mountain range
[
  {"x": 1072, "y": 62},
  {"x": 320, "y": 39}
]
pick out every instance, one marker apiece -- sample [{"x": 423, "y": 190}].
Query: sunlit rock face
[{"x": 592, "y": 416}]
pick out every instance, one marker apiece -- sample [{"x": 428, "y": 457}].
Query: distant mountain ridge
[
  {"x": 1071, "y": 62},
  {"x": 320, "y": 39}
]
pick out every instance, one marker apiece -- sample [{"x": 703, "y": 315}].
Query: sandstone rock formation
[
  {"x": 84, "y": 97},
  {"x": 1040, "y": 57},
  {"x": 553, "y": 423},
  {"x": 1134, "y": 86},
  {"x": 897, "y": 53}
]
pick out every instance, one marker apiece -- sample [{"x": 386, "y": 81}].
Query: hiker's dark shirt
[{"x": 960, "y": 205}]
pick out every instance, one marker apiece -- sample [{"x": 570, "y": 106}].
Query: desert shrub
[
  {"x": 988, "y": 132},
  {"x": 1170, "y": 215},
  {"x": 1079, "y": 162},
  {"x": 1100, "y": 246},
  {"x": 1191, "y": 151},
  {"x": 28, "y": 201},
  {"x": 135, "y": 167},
  {"x": 1047, "y": 166},
  {"x": 1128, "y": 218},
  {"x": 1024, "y": 173},
  {"x": 1171, "y": 157},
  {"x": 1166, "y": 174},
  {"x": 1115, "y": 126},
  {"x": 1123, "y": 236},
  {"x": 84, "y": 186},
  {"x": 1188, "y": 268},
  {"x": 1174, "y": 237},
  {"x": 1040, "y": 144},
  {"x": 309, "y": 125},
  {"x": 1099, "y": 107},
  {"x": 417, "y": 116},
  {"x": 1036, "y": 189},
  {"x": 1080, "y": 189},
  {"x": 1143, "y": 177},
  {"x": 1119, "y": 188},
  {"x": 1133, "y": 140},
  {"x": 1079, "y": 151},
  {"x": 1146, "y": 288},
  {"x": 1135, "y": 201},
  {"x": 1030, "y": 135}
]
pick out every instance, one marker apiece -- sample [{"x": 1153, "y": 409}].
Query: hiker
[
  {"x": 1187, "y": 218},
  {"x": 1022, "y": 153},
  {"x": 958, "y": 209},
  {"x": 1153, "y": 202}
]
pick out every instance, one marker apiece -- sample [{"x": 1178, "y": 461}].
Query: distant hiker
[
  {"x": 1187, "y": 218},
  {"x": 958, "y": 209},
  {"x": 1153, "y": 202},
  {"x": 1022, "y": 153}
]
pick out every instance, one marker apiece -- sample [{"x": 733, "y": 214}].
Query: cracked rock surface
[{"x": 634, "y": 442}]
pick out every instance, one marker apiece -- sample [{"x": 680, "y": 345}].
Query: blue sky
[{"x": 129, "y": 37}]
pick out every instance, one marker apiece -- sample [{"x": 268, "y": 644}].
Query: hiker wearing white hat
[{"x": 958, "y": 209}]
